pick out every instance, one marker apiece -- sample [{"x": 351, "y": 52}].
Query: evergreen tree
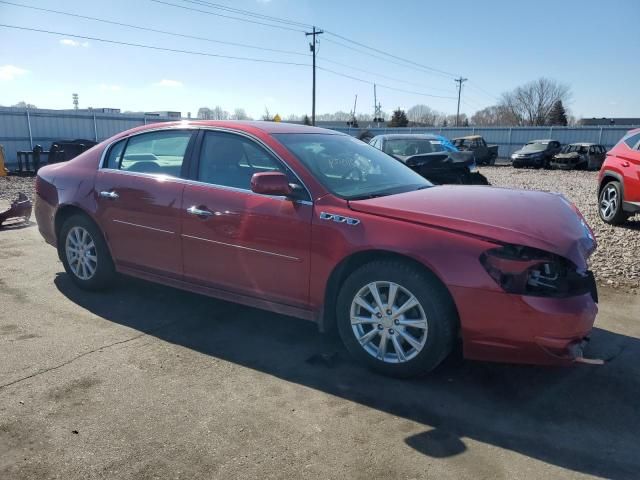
[
  {"x": 558, "y": 115},
  {"x": 466, "y": 122},
  {"x": 399, "y": 119},
  {"x": 306, "y": 120}
]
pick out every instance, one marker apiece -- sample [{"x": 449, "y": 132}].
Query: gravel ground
[{"x": 616, "y": 262}]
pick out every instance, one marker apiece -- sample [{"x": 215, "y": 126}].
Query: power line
[
  {"x": 247, "y": 12},
  {"x": 481, "y": 90},
  {"x": 292, "y": 22},
  {"x": 282, "y": 27},
  {"x": 426, "y": 67},
  {"x": 153, "y": 47},
  {"x": 194, "y": 37},
  {"x": 381, "y": 85},
  {"x": 148, "y": 29},
  {"x": 376, "y": 56},
  {"x": 406, "y": 63},
  {"x": 382, "y": 76},
  {"x": 215, "y": 55}
]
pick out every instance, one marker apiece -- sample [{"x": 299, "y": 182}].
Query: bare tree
[
  {"x": 495, "y": 115},
  {"x": 423, "y": 115},
  {"x": 204, "y": 113},
  {"x": 267, "y": 116},
  {"x": 239, "y": 114},
  {"x": 531, "y": 103},
  {"x": 218, "y": 113},
  {"x": 24, "y": 105}
]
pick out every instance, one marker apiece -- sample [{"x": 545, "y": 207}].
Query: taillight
[{"x": 530, "y": 271}]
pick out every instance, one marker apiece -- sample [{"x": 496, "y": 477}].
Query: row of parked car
[
  {"x": 443, "y": 161},
  {"x": 545, "y": 153}
]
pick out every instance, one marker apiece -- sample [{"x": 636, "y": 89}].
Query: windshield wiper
[{"x": 388, "y": 192}]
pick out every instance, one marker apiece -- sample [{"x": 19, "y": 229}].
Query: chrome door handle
[
  {"x": 198, "y": 212},
  {"x": 112, "y": 195}
]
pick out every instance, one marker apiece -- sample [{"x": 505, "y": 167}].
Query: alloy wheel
[
  {"x": 609, "y": 202},
  {"x": 389, "y": 322},
  {"x": 81, "y": 253}
]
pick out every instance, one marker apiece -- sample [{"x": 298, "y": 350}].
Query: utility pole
[
  {"x": 459, "y": 81},
  {"x": 312, "y": 47}
]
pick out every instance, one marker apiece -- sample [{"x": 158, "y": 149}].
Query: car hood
[
  {"x": 437, "y": 159},
  {"x": 547, "y": 221},
  {"x": 527, "y": 152}
]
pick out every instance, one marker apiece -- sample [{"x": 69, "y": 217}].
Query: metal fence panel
[
  {"x": 20, "y": 129},
  {"x": 510, "y": 139}
]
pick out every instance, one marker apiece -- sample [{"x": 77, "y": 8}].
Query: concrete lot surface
[{"x": 148, "y": 382}]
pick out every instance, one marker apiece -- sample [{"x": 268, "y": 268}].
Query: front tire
[
  {"x": 610, "y": 204},
  {"x": 84, "y": 254},
  {"x": 396, "y": 318}
]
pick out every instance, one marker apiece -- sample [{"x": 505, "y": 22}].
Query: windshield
[
  {"x": 349, "y": 168},
  {"x": 574, "y": 148},
  {"x": 407, "y": 147},
  {"x": 534, "y": 147}
]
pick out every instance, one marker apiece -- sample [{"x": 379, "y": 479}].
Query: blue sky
[{"x": 591, "y": 45}]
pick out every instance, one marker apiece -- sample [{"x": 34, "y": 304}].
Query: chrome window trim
[{"x": 215, "y": 129}]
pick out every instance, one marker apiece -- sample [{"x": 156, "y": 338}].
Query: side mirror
[{"x": 271, "y": 183}]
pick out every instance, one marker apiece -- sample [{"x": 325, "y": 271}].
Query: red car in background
[
  {"x": 316, "y": 224},
  {"x": 619, "y": 180}
]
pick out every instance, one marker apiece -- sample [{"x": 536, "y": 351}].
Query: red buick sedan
[{"x": 318, "y": 225}]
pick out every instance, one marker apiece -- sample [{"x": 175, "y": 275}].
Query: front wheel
[
  {"x": 84, "y": 253},
  {"x": 396, "y": 318},
  {"x": 610, "y": 204}
]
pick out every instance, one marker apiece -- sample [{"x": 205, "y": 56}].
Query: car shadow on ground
[{"x": 584, "y": 419}]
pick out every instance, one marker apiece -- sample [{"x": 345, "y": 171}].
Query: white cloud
[
  {"x": 168, "y": 83},
  {"x": 110, "y": 88},
  {"x": 67, "y": 42},
  {"x": 9, "y": 72}
]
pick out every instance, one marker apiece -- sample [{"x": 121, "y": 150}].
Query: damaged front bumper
[
  {"x": 525, "y": 329},
  {"x": 18, "y": 213}
]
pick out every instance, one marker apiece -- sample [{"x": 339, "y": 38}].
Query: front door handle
[
  {"x": 198, "y": 212},
  {"x": 111, "y": 195}
]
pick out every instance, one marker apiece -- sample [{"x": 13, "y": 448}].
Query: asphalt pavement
[{"x": 144, "y": 381}]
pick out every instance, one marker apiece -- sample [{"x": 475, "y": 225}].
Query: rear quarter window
[{"x": 633, "y": 140}]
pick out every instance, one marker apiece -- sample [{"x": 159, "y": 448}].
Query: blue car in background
[{"x": 432, "y": 156}]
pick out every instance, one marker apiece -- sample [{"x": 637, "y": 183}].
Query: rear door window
[{"x": 160, "y": 153}]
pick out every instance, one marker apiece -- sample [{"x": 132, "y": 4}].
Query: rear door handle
[
  {"x": 112, "y": 195},
  {"x": 198, "y": 212}
]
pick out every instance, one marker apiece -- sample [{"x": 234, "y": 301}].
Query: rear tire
[
  {"x": 610, "y": 204},
  {"x": 84, "y": 254},
  {"x": 401, "y": 343}
]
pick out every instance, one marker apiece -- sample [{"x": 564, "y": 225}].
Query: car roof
[
  {"x": 244, "y": 126},
  {"x": 544, "y": 140},
  {"x": 584, "y": 144},
  {"x": 468, "y": 137},
  {"x": 402, "y": 136}
]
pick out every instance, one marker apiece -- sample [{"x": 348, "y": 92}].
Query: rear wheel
[
  {"x": 396, "y": 318},
  {"x": 84, "y": 254},
  {"x": 610, "y": 204}
]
